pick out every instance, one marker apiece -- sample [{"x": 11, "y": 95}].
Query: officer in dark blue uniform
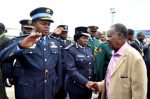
[
  {"x": 62, "y": 37},
  {"x": 13, "y": 71},
  {"x": 26, "y": 26},
  {"x": 40, "y": 58},
  {"x": 79, "y": 62}
]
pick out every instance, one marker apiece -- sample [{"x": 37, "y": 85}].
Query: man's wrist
[{"x": 19, "y": 45}]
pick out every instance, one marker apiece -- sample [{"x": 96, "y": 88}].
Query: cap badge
[
  {"x": 29, "y": 22},
  {"x": 48, "y": 10},
  {"x": 65, "y": 27}
]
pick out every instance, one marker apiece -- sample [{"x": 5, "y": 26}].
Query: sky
[{"x": 134, "y": 14}]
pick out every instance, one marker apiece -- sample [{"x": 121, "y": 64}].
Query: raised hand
[
  {"x": 58, "y": 30},
  {"x": 30, "y": 40}
]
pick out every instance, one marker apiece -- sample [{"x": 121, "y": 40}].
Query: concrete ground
[{"x": 10, "y": 93}]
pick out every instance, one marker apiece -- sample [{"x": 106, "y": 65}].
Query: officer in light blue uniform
[
  {"x": 79, "y": 62},
  {"x": 40, "y": 58}
]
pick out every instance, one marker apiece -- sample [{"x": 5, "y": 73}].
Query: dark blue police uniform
[
  {"x": 79, "y": 62},
  {"x": 63, "y": 43}
]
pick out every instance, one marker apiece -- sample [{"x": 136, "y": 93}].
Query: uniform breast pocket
[
  {"x": 29, "y": 52},
  {"x": 80, "y": 62},
  {"x": 54, "y": 51},
  {"x": 54, "y": 54}
]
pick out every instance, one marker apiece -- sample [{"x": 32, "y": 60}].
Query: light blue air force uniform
[{"x": 41, "y": 78}]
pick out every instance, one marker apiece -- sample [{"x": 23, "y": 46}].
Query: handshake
[{"x": 92, "y": 86}]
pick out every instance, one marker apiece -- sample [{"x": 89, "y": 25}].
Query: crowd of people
[{"x": 44, "y": 65}]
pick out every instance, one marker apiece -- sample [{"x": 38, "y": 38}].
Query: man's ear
[{"x": 120, "y": 35}]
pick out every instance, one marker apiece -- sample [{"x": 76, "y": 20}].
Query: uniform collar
[
  {"x": 92, "y": 38},
  {"x": 79, "y": 46},
  {"x": 44, "y": 37}
]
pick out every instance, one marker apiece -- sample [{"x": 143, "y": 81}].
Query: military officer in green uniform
[
  {"x": 93, "y": 42},
  {"x": 4, "y": 40},
  {"x": 102, "y": 60}
]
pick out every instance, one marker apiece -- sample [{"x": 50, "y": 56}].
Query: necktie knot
[{"x": 42, "y": 40}]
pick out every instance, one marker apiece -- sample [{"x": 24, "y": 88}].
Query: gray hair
[{"x": 121, "y": 29}]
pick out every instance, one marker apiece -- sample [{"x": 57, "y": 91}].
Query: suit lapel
[{"x": 119, "y": 63}]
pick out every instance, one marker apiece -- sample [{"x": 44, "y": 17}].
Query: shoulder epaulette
[
  {"x": 22, "y": 36},
  {"x": 69, "y": 46}
]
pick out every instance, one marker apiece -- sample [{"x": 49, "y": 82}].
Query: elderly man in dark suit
[{"x": 146, "y": 57}]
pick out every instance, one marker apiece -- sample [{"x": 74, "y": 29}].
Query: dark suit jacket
[
  {"x": 136, "y": 45},
  {"x": 147, "y": 62}
]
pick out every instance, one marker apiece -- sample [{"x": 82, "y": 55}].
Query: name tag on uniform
[{"x": 80, "y": 56}]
